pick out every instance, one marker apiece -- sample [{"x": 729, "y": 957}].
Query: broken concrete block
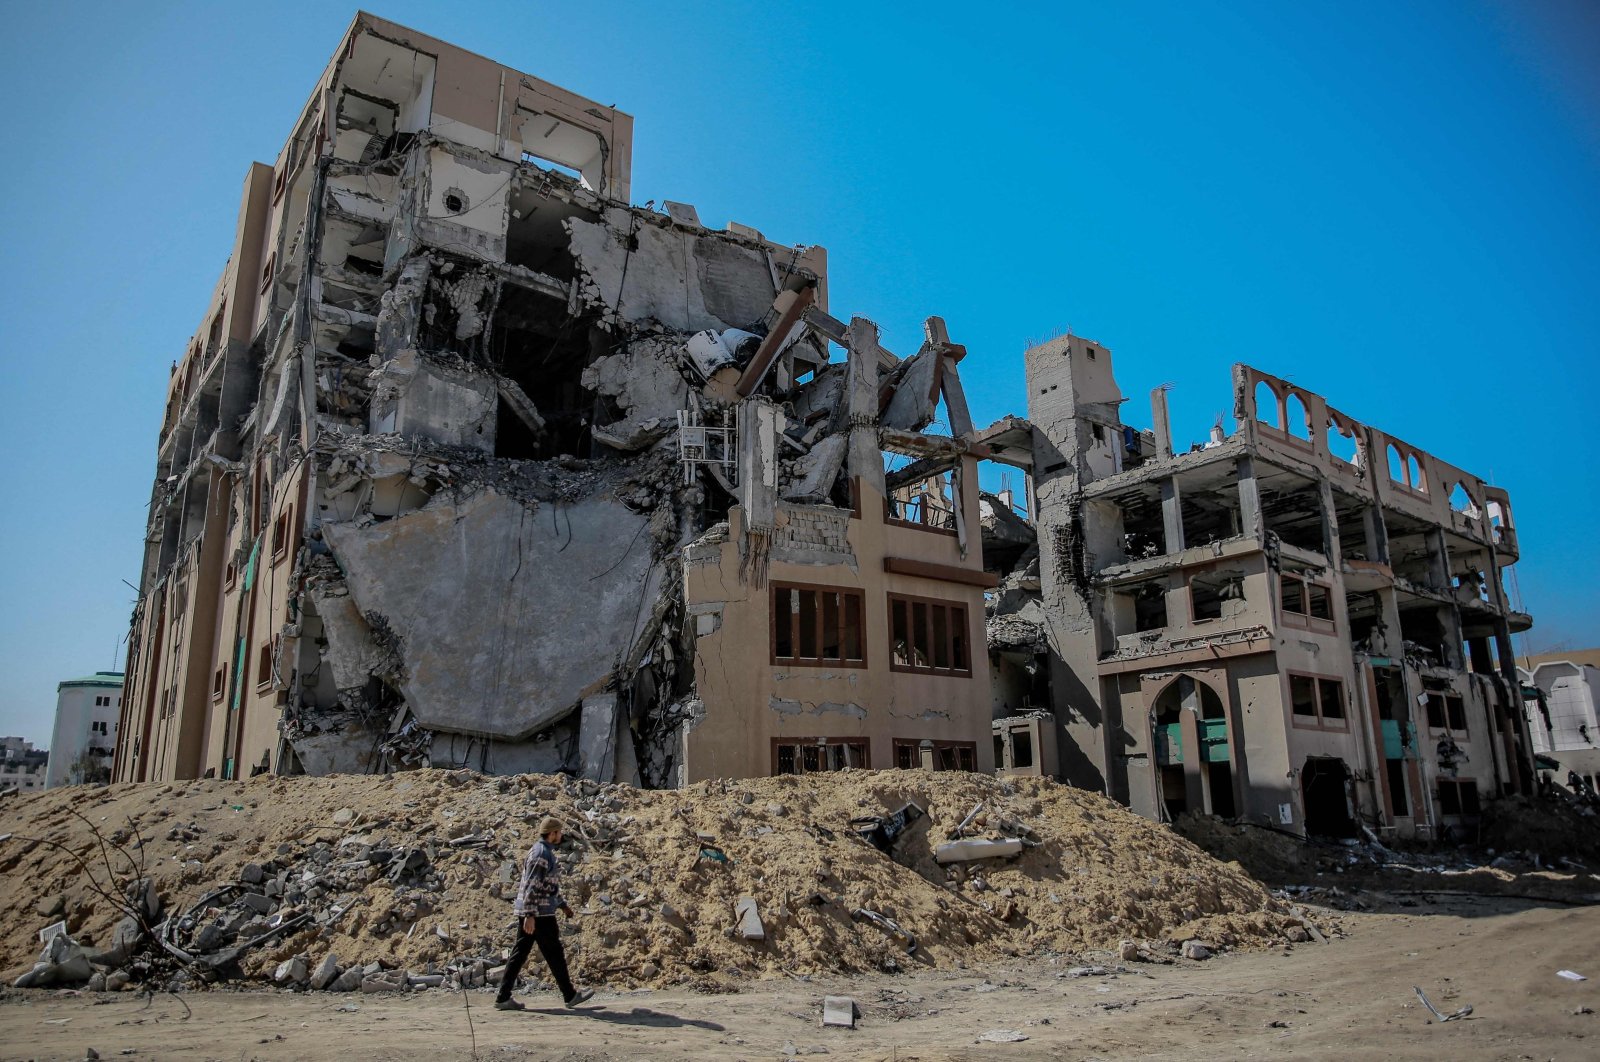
[
  {"x": 251, "y": 874},
  {"x": 291, "y": 971},
  {"x": 257, "y": 902},
  {"x": 750, "y": 927},
  {"x": 62, "y": 962},
  {"x": 327, "y": 972},
  {"x": 51, "y": 906},
  {"x": 343, "y": 817},
  {"x": 1193, "y": 949},
  {"x": 348, "y": 981},
  {"x": 839, "y": 1011}
]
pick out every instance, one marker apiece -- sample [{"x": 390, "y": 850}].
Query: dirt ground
[{"x": 1350, "y": 998}]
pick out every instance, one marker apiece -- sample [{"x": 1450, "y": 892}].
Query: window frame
[
  {"x": 930, "y": 604},
  {"x": 801, "y": 743},
  {"x": 1307, "y": 587},
  {"x": 264, "y": 654},
  {"x": 1339, "y": 724},
  {"x": 1459, "y": 786},
  {"x": 281, "y": 528},
  {"x": 914, "y": 745},
  {"x": 1444, "y": 699},
  {"x": 820, "y": 612}
]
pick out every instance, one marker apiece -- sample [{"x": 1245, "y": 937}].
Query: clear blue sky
[{"x": 1394, "y": 204}]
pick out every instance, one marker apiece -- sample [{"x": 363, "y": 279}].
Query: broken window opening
[
  {"x": 817, "y": 626},
  {"x": 1150, "y": 608},
  {"x": 1458, "y": 797},
  {"x": 533, "y": 342},
  {"x": 1295, "y": 516},
  {"x": 1215, "y": 595},
  {"x": 1143, "y": 526},
  {"x": 536, "y": 237},
  {"x": 1209, "y": 516},
  {"x": 946, "y": 755},
  {"x": 1424, "y": 630},
  {"x": 1364, "y": 613},
  {"x": 1342, "y": 442},
  {"x": 929, "y": 636},
  {"x": 928, "y": 504},
  {"x": 812, "y": 756},
  {"x": 1351, "y": 517}
]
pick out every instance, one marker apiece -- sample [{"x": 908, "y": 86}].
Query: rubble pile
[{"x": 406, "y": 881}]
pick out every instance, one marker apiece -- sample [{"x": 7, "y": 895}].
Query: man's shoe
[
  {"x": 581, "y": 996},
  {"x": 509, "y": 1004}
]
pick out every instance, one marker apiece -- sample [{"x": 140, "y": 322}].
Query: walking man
[{"x": 538, "y": 900}]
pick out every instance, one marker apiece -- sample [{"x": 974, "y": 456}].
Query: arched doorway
[{"x": 1193, "y": 759}]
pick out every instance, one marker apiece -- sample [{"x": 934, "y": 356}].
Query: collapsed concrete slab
[{"x": 506, "y": 616}]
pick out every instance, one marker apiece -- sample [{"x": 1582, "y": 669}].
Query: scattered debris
[
  {"x": 973, "y": 848},
  {"x": 1461, "y": 1013}
]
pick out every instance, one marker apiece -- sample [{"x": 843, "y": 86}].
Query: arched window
[
  {"x": 1414, "y": 474},
  {"x": 1267, "y": 411},
  {"x": 1296, "y": 419}
]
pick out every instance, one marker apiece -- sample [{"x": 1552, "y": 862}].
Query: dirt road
[{"x": 1347, "y": 999}]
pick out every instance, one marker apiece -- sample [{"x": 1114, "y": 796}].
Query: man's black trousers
[{"x": 547, "y": 934}]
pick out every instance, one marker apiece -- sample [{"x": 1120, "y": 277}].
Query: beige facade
[{"x": 886, "y": 697}]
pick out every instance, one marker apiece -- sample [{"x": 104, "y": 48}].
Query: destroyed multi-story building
[
  {"x": 1303, "y": 622},
  {"x": 471, "y": 462}
]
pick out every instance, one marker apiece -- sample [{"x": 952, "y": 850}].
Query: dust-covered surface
[
  {"x": 655, "y": 875},
  {"x": 1534, "y": 849},
  {"x": 1348, "y": 999}
]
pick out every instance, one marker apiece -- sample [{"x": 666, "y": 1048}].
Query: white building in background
[
  {"x": 1571, "y": 733},
  {"x": 85, "y": 734},
  {"x": 21, "y": 765}
]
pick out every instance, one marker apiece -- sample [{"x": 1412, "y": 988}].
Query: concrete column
[
  {"x": 1330, "y": 526},
  {"x": 1377, "y": 535},
  {"x": 1249, "y": 499},
  {"x": 1171, "y": 509},
  {"x": 866, "y": 457},
  {"x": 1162, "y": 421}
]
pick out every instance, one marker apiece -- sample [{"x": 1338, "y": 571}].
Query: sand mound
[{"x": 417, "y": 871}]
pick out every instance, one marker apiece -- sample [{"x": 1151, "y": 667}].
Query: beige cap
[{"x": 550, "y": 825}]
